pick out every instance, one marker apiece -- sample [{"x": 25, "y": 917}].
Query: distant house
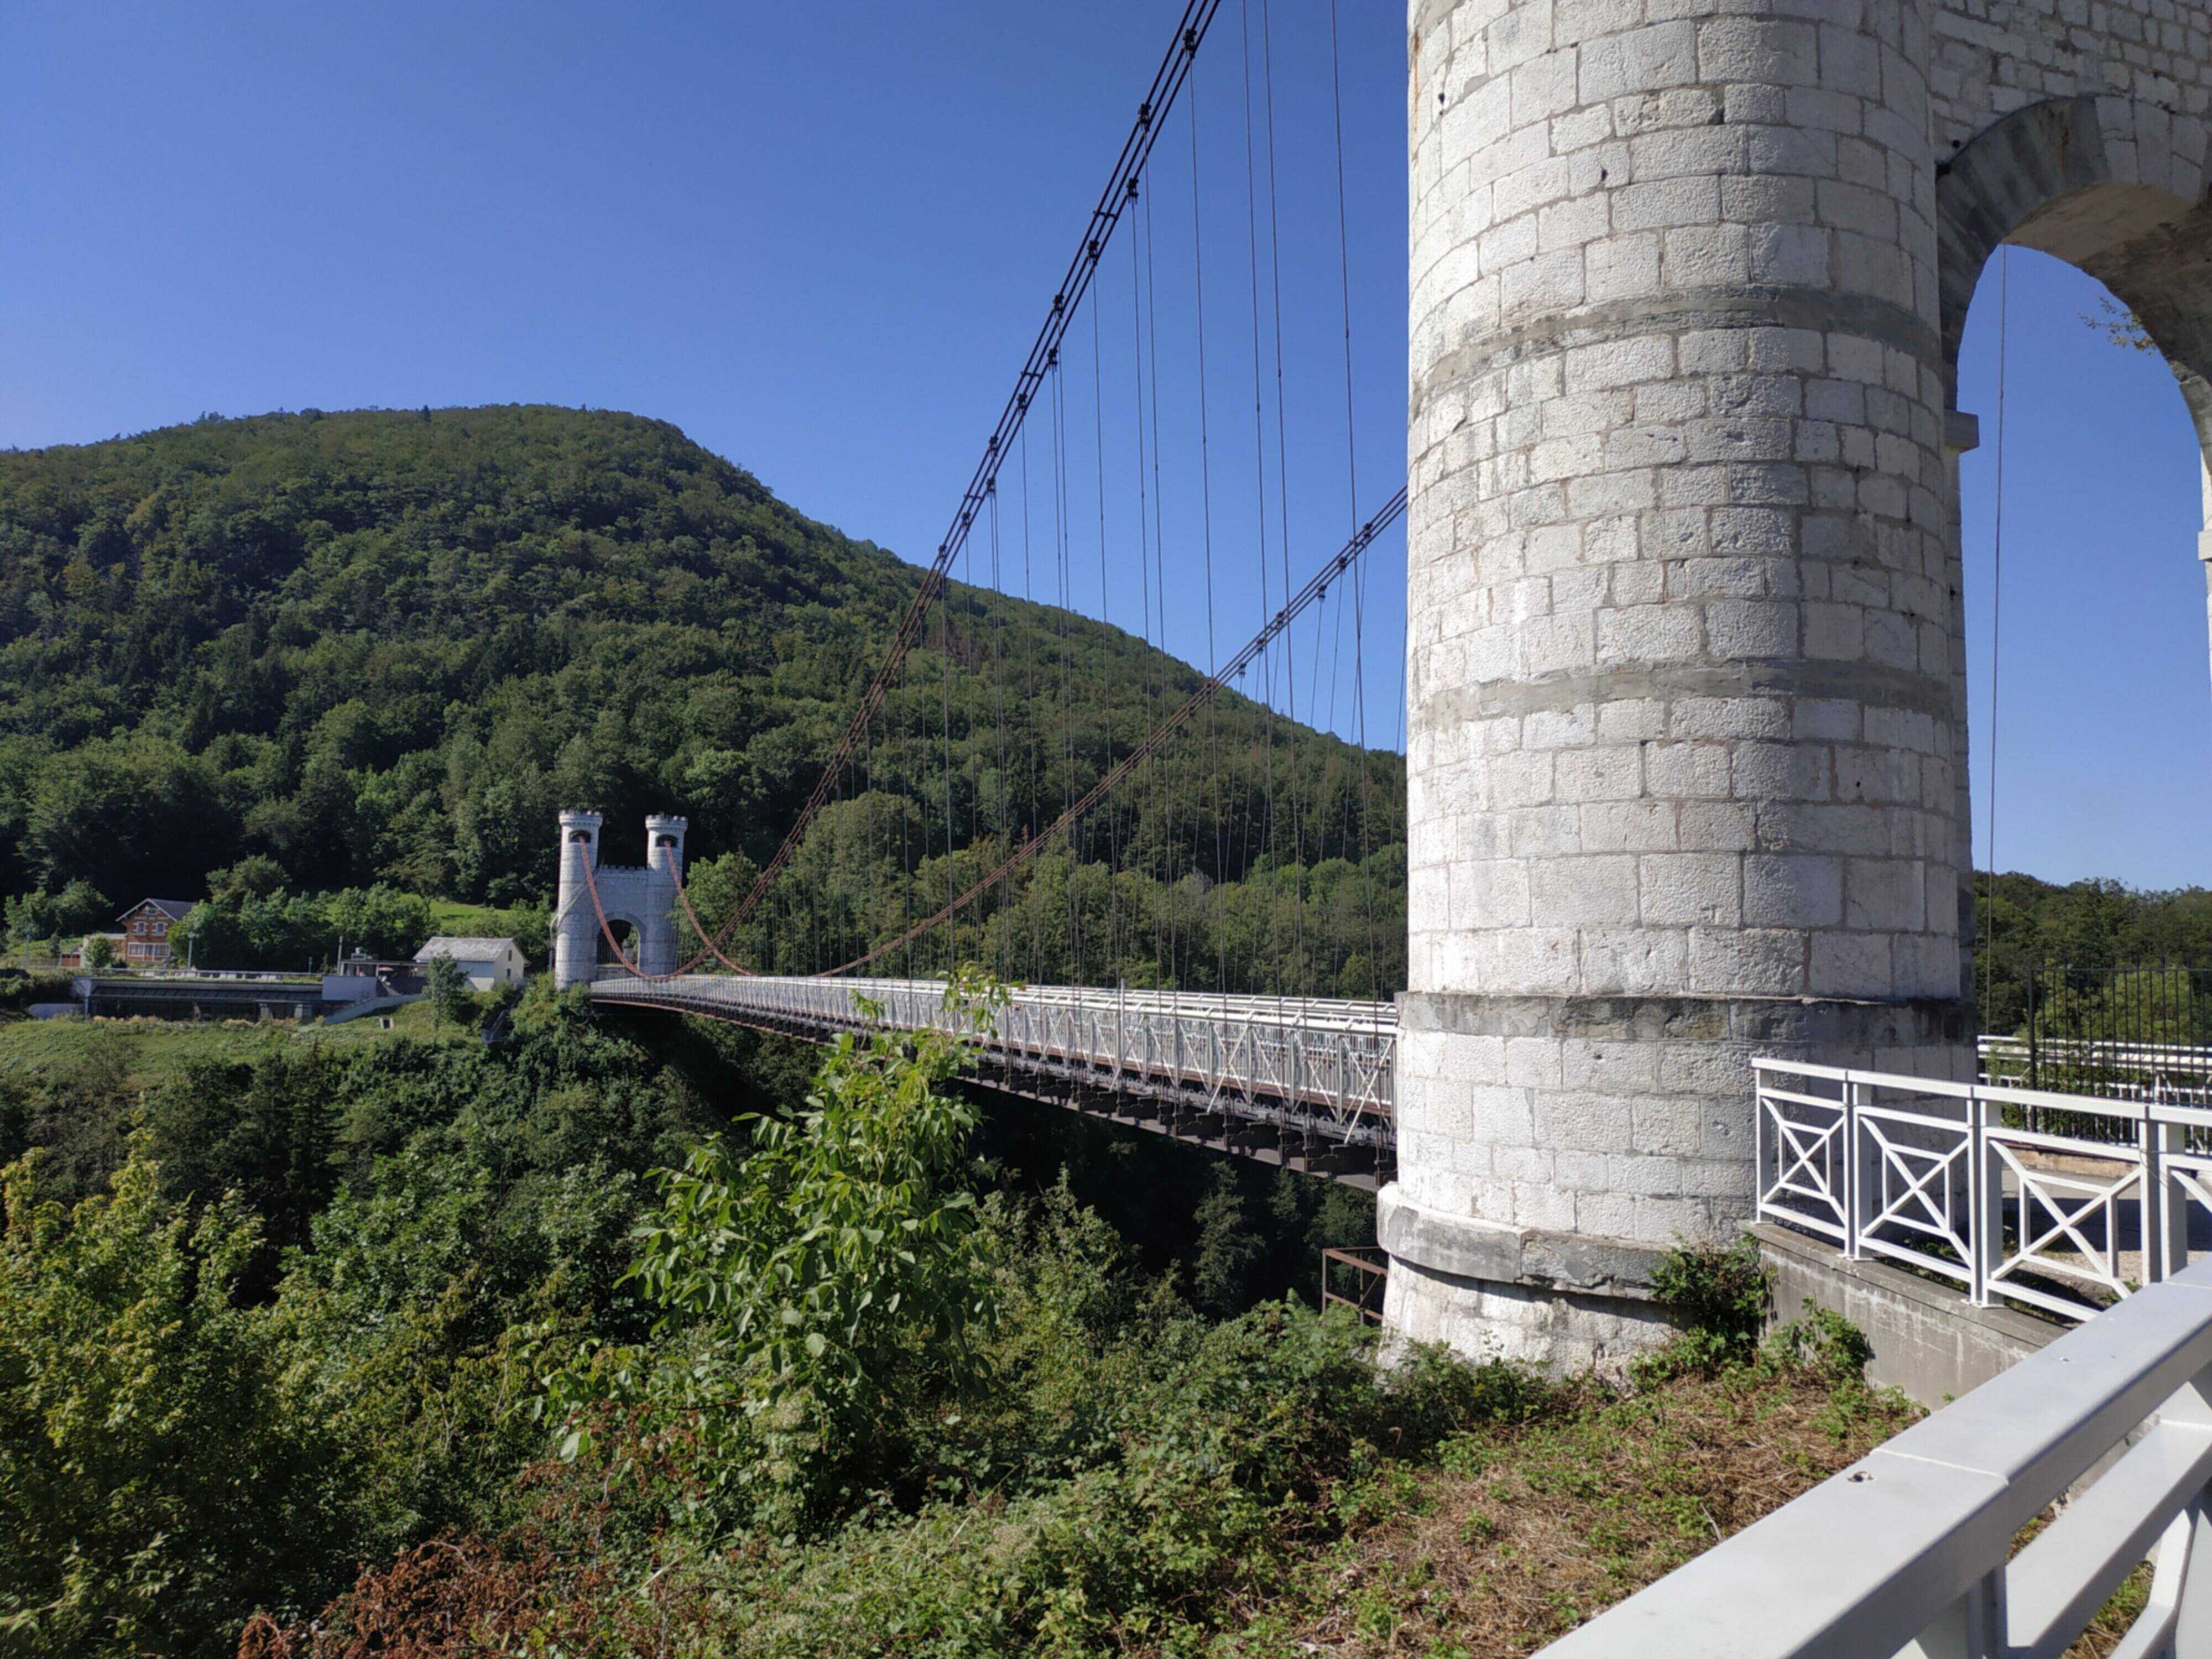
[
  {"x": 72, "y": 951},
  {"x": 487, "y": 962},
  {"x": 145, "y": 931}
]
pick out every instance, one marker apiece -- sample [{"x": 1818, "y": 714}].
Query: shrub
[
  {"x": 792, "y": 1286},
  {"x": 1719, "y": 1295},
  {"x": 448, "y": 988},
  {"x": 1819, "y": 1344}
]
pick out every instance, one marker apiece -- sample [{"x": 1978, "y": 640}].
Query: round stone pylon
[{"x": 1686, "y": 725}]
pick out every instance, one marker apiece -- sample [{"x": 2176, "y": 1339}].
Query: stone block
[
  {"x": 1747, "y": 962},
  {"x": 1687, "y": 889},
  {"x": 1635, "y": 826},
  {"x": 1792, "y": 891},
  {"x": 1716, "y": 826},
  {"x": 1850, "y": 965},
  {"x": 1650, "y": 633},
  {"x": 1598, "y": 774},
  {"x": 1769, "y": 772},
  {"x": 1588, "y": 891},
  {"x": 1643, "y": 962}
]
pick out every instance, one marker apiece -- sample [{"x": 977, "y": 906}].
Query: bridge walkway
[{"x": 1306, "y": 1082}]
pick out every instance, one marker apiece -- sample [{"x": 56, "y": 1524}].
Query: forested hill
[{"x": 388, "y": 645}]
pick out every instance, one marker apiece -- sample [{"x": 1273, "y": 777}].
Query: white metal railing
[
  {"x": 1906, "y": 1552},
  {"x": 1953, "y": 1179},
  {"x": 2179, "y": 1072},
  {"x": 1327, "y": 1061}
]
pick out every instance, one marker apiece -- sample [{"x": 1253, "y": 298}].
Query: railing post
[
  {"x": 2183, "y": 1579},
  {"x": 1852, "y": 1182},
  {"x": 1971, "y": 1627},
  {"x": 1984, "y": 1219},
  {"x": 2165, "y": 1223},
  {"x": 1758, "y": 1187},
  {"x": 2034, "y": 1068}
]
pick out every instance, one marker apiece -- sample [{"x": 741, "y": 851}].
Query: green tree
[
  {"x": 385, "y": 922},
  {"x": 800, "y": 1288},
  {"x": 99, "y": 953},
  {"x": 448, "y": 989},
  {"x": 77, "y": 908},
  {"x": 265, "y": 1134},
  {"x": 157, "y": 1488}
]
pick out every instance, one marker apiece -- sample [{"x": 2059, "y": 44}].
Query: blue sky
[
  {"x": 2103, "y": 733},
  {"x": 820, "y": 239}
]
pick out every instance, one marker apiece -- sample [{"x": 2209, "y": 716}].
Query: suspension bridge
[
  {"x": 1682, "y": 717},
  {"x": 1673, "y": 773},
  {"x": 1041, "y": 830}
]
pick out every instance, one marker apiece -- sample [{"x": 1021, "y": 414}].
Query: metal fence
[
  {"x": 1354, "y": 1276},
  {"x": 2136, "y": 1033},
  {"x": 1951, "y": 1179},
  {"x": 1906, "y": 1552},
  {"x": 1323, "y": 1066}
]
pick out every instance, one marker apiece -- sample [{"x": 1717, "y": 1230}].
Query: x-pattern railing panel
[
  {"x": 1327, "y": 1063},
  {"x": 1915, "y": 1188},
  {"x": 1807, "y": 1162},
  {"x": 2070, "y": 1228},
  {"x": 1947, "y": 1176}
]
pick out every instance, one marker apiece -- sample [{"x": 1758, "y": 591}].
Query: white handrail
[
  {"x": 1327, "y": 1063},
  {"x": 1906, "y": 1552},
  {"x": 1959, "y": 1181}
]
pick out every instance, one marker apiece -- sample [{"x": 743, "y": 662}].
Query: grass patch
[
  {"x": 40, "y": 1050},
  {"x": 527, "y": 925},
  {"x": 1513, "y": 1535},
  {"x": 418, "y": 1020}
]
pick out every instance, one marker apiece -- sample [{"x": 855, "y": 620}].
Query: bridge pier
[{"x": 1685, "y": 744}]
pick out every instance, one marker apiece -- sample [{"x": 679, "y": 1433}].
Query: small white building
[{"x": 488, "y": 963}]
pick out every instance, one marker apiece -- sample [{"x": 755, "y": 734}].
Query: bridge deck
[{"x": 1312, "y": 1075}]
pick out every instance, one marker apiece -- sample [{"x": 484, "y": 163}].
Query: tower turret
[
  {"x": 664, "y": 864},
  {"x": 576, "y": 926}
]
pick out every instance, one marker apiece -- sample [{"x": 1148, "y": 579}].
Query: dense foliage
[
  {"x": 385, "y": 647},
  {"x": 264, "y": 1319},
  {"x": 256, "y": 1318},
  {"x": 2085, "y": 928}
]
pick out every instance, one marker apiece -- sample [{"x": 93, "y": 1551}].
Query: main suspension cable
[{"x": 1136, "y": 148}]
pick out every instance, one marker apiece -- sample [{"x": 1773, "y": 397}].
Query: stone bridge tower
[
  {"x": 645, "y": 899},
  {"x": 1687, "y": 741}
]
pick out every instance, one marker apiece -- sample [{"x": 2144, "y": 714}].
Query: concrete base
[
  {"x": 1563, "y": 1302},
  {"x": 1567, "y": 1303},
  {"x": 1928, "y": 1342},
  {"x": 1557, "y": 1332}
]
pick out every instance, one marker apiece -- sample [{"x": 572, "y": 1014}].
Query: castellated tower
[
  {"x": 1686, "y": 740},
  {"x": 575, "y": 927},
  {"x": 664, "y": 871},
  {"x": 644, "y": 898}
]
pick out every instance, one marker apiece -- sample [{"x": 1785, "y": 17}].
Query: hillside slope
[{"x": 388, "y": 645}]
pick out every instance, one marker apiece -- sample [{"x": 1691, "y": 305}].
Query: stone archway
[
  {"x": 643, "y": 897},
  {"x": 629, "y": 934},
  {"x": 2113, "y": 186}
]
